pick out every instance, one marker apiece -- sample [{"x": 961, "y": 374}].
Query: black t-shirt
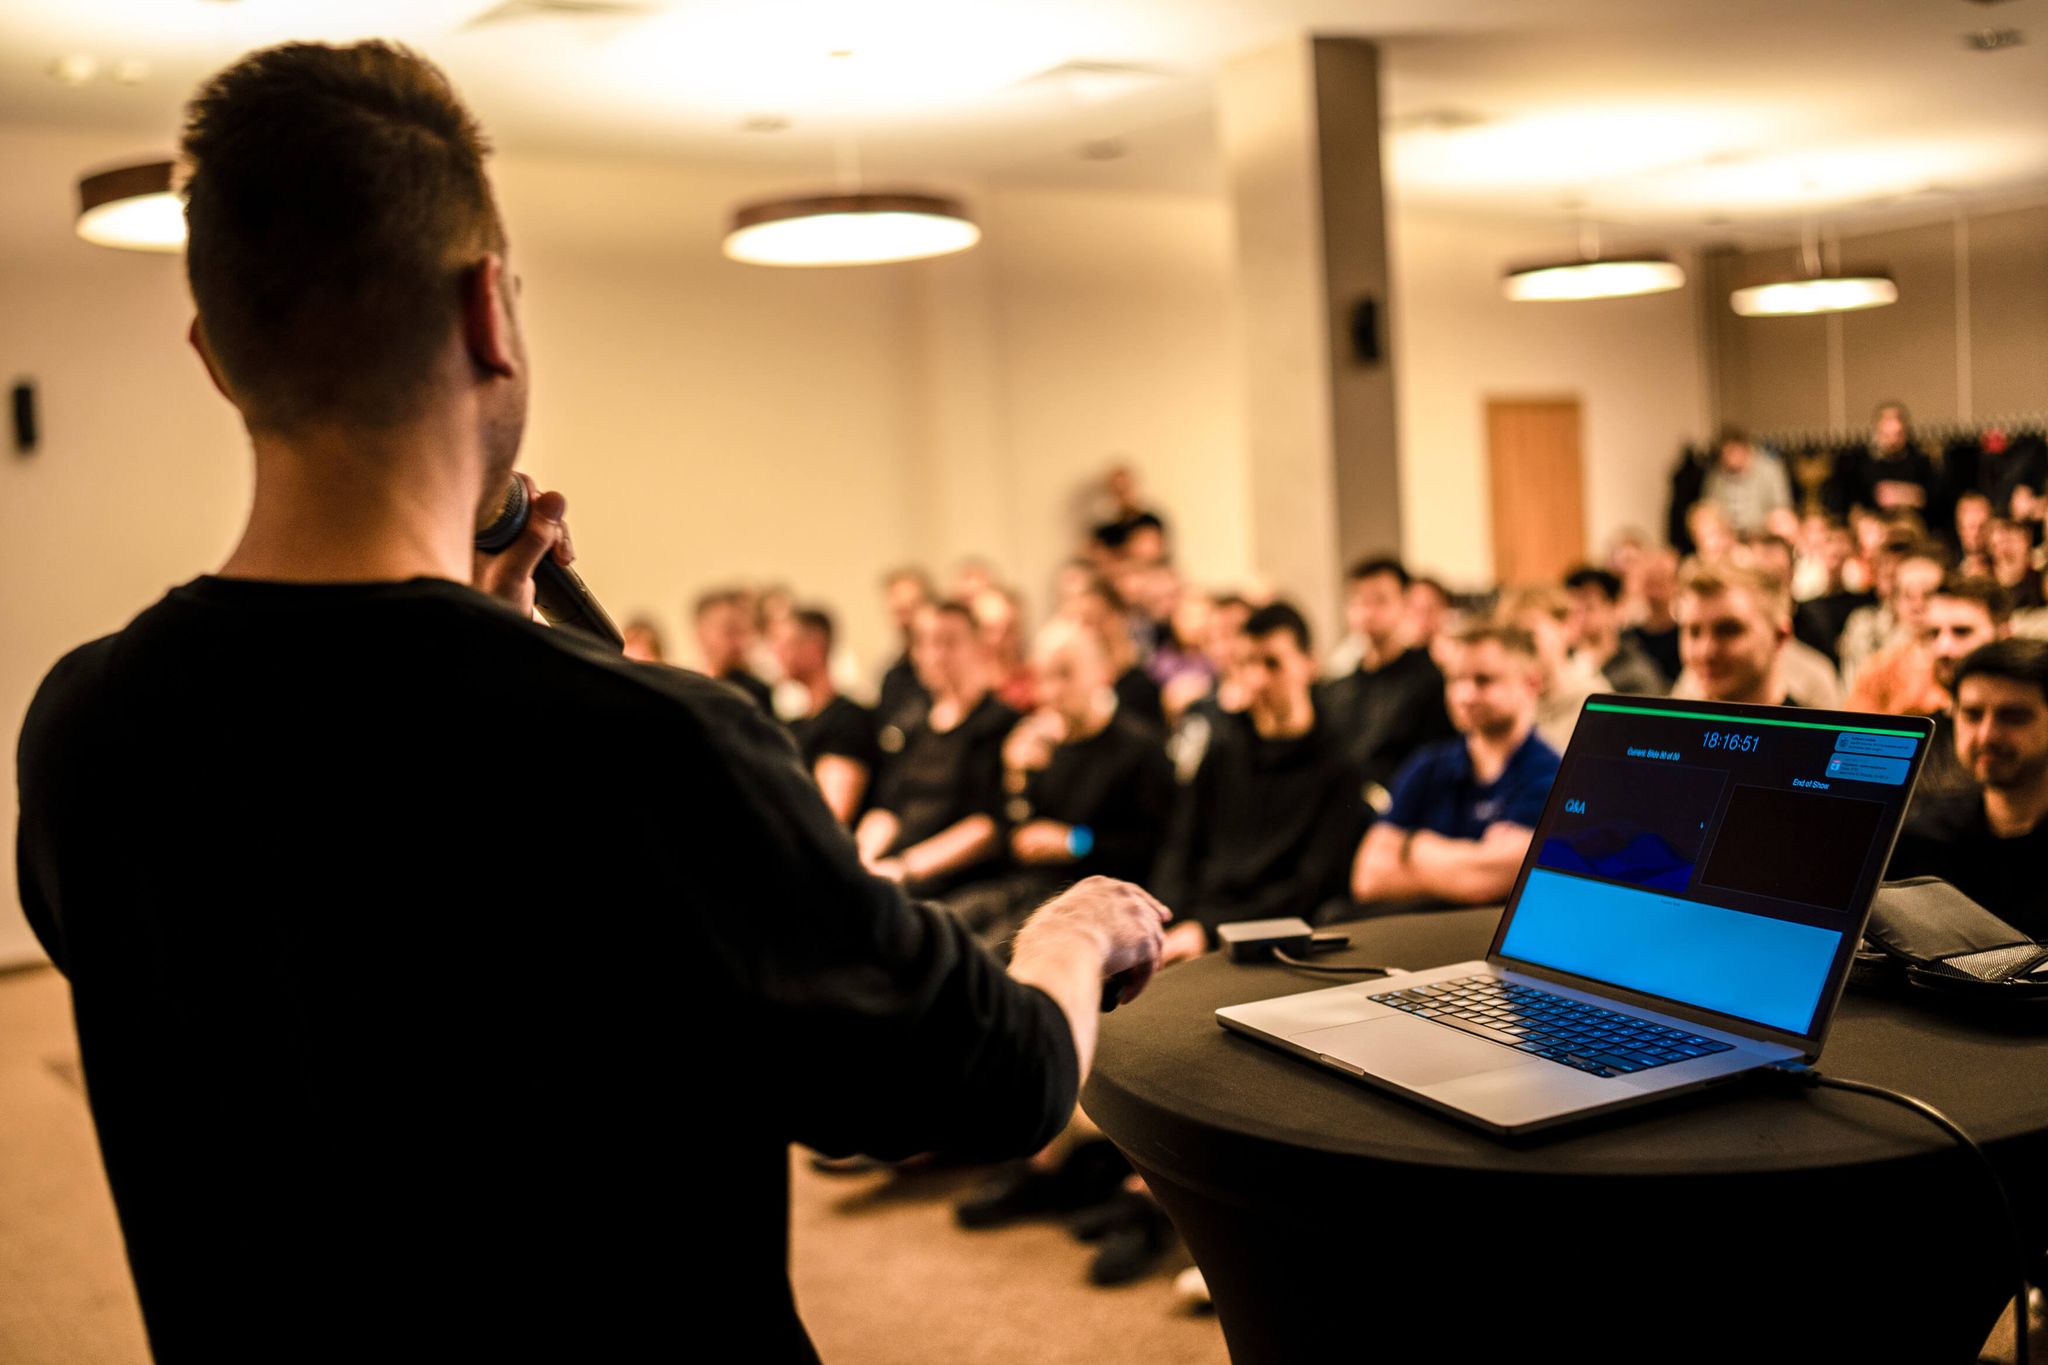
[
  {"x": 1267, "y": 827},
  {"x": 939, "y": 779},
  {"x": 1819, "y": 621},
  {"x": 1138, "y": 699},
  {"x": 1385, "y": 714},
  {"x": 901, "y": 696},
  {"x": 843, "y": 728},
  {"x": 443, "y": 979},
  {"x": 757, "y": 691},
  {"x": 1951, "y": 838},
  {"x": 1660, "y": 645},
  {"x": 1118, "y": 784}
]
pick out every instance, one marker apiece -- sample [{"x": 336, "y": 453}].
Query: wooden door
[{"x": 1539, "y": 498}]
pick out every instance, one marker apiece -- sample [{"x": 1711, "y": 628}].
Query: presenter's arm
[
  {"x": 1096, "y": 930},
  {"x": 889, "y": 1028}
]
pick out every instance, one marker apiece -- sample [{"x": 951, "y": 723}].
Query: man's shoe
[
  {"x": 1133, "y": 1247},
  {"x": 1017, "y": 1191}
]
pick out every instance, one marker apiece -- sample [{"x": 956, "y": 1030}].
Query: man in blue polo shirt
[{"x": 1463, "y": 808}]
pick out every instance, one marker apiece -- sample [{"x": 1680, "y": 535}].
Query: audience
[
  {"x": 1598, "y": 645},
  {"x": 2010, "y": 546},
  {"x": 901, "y": 695},
  {"x": 1463, "y": 808},
  {"x": 1178, "y": 737},
  {"x": 642, "y": 641},
  {"x": 1101, "y": 609},
  {"x": 725, "y": 634},
  {"x": 1392, "y": 702},
  {"x": 1733, "y": 624},
  {"x": 934, "y": 824},
  {"x": 1087, "y": 789},
  {"x": 835, "y": 735},
  {"x": 1544, "y": 615},
  {"x": 999, "y": 615},
  {"x": 1992, "y": 843},
  {"x": 1273, "y": 811},
  {"x": 1747, "y": 486},
  {"x": 1655, "y": 589}
]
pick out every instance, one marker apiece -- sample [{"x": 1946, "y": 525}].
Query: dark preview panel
[
  {"x": 1794, "y": 845},
  {"x": 1625, "y": 820}
]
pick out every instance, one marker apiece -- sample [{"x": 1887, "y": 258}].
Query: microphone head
[{"x": 505, "y": 527}]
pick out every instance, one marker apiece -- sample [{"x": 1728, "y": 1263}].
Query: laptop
[{"x": 1691, "y": 902}]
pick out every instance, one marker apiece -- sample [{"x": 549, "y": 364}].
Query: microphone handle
[{"x": 559, "y": 592}]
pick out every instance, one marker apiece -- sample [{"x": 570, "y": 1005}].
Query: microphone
[{"x": 558, "y": 590}]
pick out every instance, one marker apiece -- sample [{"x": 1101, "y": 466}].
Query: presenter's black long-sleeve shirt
[{"x": 448, "y": 988}]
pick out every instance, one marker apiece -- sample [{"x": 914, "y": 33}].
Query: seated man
[
  {"x": 725, "y": 630},
  {"x": 1564, "y": 680},
  {"x": 934, "y": 823},
  {"x": 1964, "y": 614},
  {"x": 1992, "y": 843},
  {"x": 1274, "y": 808},
  {"x": 835, "y": 735},
  {"x": 1733, "y": 624},
  {"x": 1392, "y": 702},
  {"x": 1464, "y": 808},
  {"x": 1089, "y": 789},
  {"x": 1596, "y": 638}
]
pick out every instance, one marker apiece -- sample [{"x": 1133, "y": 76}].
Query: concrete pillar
[{"x": 1300, "y": 128}]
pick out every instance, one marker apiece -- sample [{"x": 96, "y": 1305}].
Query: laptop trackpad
[{"x": 1410, "y": 1052}]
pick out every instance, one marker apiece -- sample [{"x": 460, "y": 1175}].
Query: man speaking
[{"x": 416, "y": 1022}]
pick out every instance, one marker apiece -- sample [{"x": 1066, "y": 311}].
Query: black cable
[
  {"x": 1297, "y": 963},
  {"x": 1948, "y": 1125}
]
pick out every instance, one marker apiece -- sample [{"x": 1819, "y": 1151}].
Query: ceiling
[{"x": 1729, "y": 115}]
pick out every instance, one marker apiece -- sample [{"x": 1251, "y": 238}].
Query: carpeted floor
[{"x": 882, "y": 1274}]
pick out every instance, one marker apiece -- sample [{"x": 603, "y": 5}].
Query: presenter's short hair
[{"x": 335, "y": 198}]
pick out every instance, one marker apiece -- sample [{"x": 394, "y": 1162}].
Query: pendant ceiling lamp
[
  {"x": 852, "y": 225},
  {"x": 132, "y": 207},
  {"x": 1814, "y": 291},
  {"x": 849, "y": 229},
  {"x": 1593, "y": 276}
]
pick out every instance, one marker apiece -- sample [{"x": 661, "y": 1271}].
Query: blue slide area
[{"x": 1749, "y": 966}]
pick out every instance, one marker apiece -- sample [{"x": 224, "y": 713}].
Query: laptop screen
[{"x": 1718, "y": 856}]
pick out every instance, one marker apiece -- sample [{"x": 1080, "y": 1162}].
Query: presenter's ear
[
  {"x": 198, "y": 340},
  {"x": 487, "y": 327}
]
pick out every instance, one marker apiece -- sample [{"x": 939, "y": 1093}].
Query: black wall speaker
[
  {"x": 1365, "y": 331},
  {"x": 24, "y": 418}
]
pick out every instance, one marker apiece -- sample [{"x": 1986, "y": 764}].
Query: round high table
[{"x": 1747, "y": 1223}]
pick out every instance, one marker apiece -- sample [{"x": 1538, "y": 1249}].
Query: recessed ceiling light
[
  {"x": 765, "y": 123},
  {"x": 1993, "y": 39},
  {"x": 1108, "y": 149},
  {"x": 74, "y": 68},
  {"x": 133, "y": 71}
]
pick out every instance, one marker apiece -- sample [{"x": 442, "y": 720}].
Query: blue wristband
[{"x": 1080, "y": 840}]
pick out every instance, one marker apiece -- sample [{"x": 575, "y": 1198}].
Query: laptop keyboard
[{"x": 1552, "y": 1027}]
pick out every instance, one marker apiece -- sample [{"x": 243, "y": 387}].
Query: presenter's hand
[
  {"x": 1122, "y": 921},
  {"x": 509, "y": 573}
]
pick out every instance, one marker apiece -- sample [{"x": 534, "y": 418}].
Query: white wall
[
  {"x": 709, "y": 421},
  {"x": 1634, "y": 364}
]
